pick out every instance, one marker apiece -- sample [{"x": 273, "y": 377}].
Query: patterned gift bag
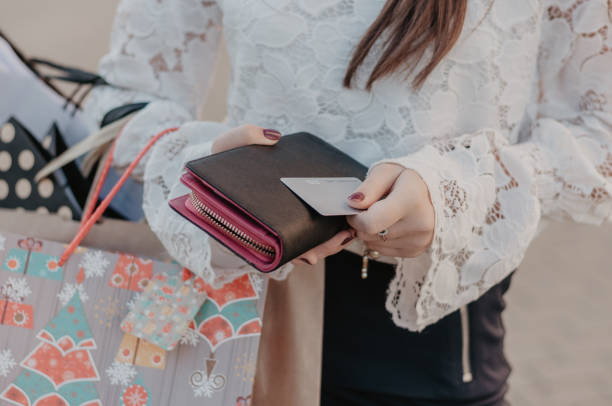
[{"x": 66, "y": 347}]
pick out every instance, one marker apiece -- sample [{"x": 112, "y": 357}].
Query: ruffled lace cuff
[
  {"x": 424, "y": 288},
  {"x": 488, "y": 197},
  {"x": 468, "y": 253}
]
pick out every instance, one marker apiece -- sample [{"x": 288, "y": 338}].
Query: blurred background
[{"x": 559, "y": 316}]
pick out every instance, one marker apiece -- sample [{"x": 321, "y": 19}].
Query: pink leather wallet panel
[{"x": 235, "y": 215}]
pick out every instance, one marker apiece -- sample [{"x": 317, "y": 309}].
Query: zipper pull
[
  {"x": 364, "y": 267},
  {"x": 465, "y": 345},
  {"x": 367, "y": 255}
]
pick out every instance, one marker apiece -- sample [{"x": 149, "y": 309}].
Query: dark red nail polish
[
  {"x": 357, "y": 196},
  {"x": 305, "y": 260},
  {"x": 347, "y": 240},
  {"x": 271, "y": 134}
]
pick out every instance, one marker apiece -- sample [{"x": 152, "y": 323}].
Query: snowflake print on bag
[
  {"x": 191, "y": 337},
  {"x": 12, "y": 311},
  {"x": 94, "y": 263},
  {"x": 120, "y": 373},
  {"x": 69, "y": 289},
  {"x": 7, "y": 362},
  {"x": 15, "y": 289}
]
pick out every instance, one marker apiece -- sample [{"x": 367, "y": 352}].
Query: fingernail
[
  {"x": 305, "y": 260},
  {"x": 357, "y": 196},
  {"x": 271, "y": 134},
  {"x": 347, "y": 240}
]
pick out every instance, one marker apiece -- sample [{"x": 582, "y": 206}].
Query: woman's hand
[{"x": 397, "y": 200}]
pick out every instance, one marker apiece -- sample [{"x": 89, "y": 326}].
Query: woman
[{"x": 476, "y": 118}]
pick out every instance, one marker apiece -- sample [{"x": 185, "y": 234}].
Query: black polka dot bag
[{"x": 21, "y": 157}]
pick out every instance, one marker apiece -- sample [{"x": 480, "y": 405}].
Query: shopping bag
[
  {"x": 287, "y": 371},
  {"x": 74, "y": 350},
  {"x": 28, "y": 95}
]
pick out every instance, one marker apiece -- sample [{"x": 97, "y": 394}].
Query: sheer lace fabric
[{"x": 514, "y": 124}]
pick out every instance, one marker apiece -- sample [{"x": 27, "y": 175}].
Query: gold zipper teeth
[{"x": 229, "y": 228}]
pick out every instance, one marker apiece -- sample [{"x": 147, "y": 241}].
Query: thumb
[
  {"x": 247, "y": 134},
  {"x": 380, "y": 179}
]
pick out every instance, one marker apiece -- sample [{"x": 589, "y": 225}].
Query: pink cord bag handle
[{"x": 91, "y": 216}]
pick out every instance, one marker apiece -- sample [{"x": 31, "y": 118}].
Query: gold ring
[{"x": 383, "y": 234}]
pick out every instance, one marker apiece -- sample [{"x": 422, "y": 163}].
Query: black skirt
[{"x": 368, "y": 360}]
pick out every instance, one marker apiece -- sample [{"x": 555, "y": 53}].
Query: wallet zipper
[{"x": 228, "y": 228}]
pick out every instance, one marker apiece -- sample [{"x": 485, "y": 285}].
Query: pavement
[{"x": 559, "y": 317}]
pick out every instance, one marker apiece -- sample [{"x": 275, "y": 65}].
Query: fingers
[
  {"x": 375, "y": 186},
  {"x": 407, "y": 200},
  {"x": 379, "y": 216},
  {"x": 247, "y": 134},
  {"x": 397, "y": 230},
  {"x": 329, "y": 247}
]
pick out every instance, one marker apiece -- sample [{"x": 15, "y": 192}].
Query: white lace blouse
[{"x": 513, "y": 125}]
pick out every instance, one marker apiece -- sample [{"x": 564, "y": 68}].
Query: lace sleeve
[
  {"x": 162, "y": 52},
  {"x": 489, "y": 195}
]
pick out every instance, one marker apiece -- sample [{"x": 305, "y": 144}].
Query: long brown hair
[{"x": 413, "y": 27}]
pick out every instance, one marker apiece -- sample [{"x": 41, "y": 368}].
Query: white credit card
[{"x": 328, "y": 196}]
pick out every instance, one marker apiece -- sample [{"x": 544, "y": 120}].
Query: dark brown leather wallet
[{"x": 238, "y": 198}]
